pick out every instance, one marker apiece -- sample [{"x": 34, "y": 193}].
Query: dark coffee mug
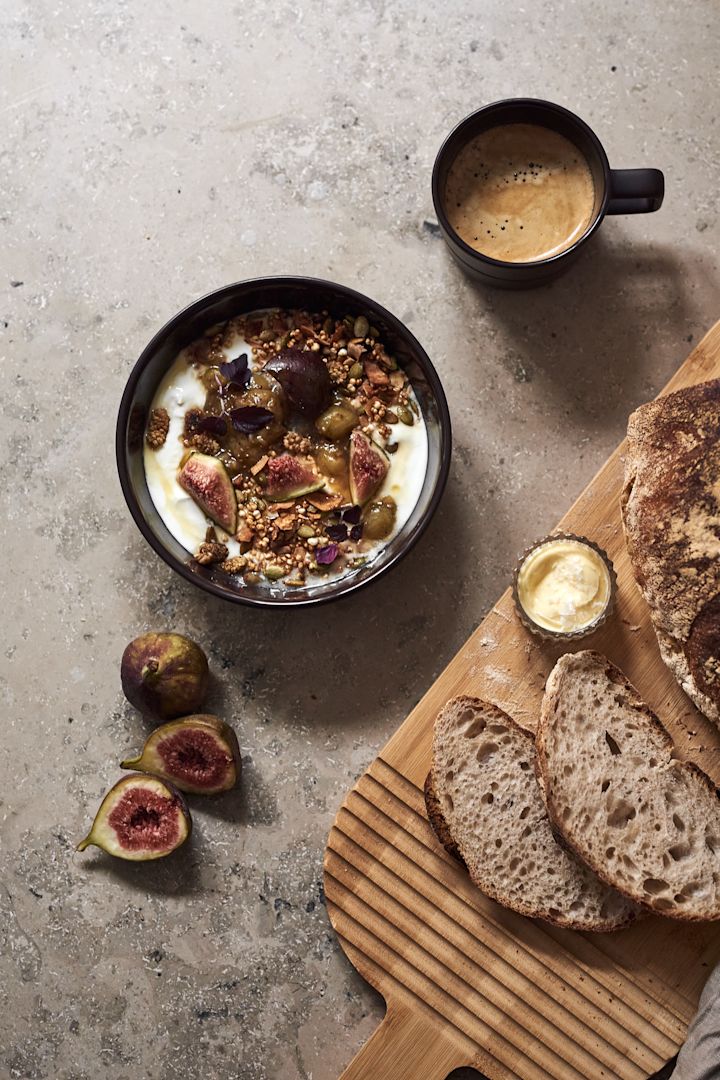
[{"x": 617, "y": 191}]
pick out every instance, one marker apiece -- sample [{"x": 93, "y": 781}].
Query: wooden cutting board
[{"x": 465, "y": 981}]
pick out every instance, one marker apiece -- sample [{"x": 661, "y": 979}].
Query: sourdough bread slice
[
  {"x": 483, "y": 799},
  {"x": 649, "y": 825}
]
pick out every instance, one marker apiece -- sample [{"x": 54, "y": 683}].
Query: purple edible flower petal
[
  {"x": 356, "y": 532},
  {"x": 351, "y": 514},
  {"x": 237, "y": 370},
  {"x": 250, "y": 418},
  {"x": 326, "y": 555},
  {"x": 337, "y": 532},
  {"x": 212, "y": 425}
]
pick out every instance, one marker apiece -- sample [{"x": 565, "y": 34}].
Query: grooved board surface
[{"x": 467, "y": 982}]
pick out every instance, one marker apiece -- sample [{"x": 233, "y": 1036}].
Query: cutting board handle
[{"x": 406, "y": 1047}]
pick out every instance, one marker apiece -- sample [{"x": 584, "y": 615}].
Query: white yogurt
[{"x": 182, "y": 389}]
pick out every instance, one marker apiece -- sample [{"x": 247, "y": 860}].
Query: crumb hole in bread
[
  {"x": 663, "y": 904},
  {"x": 678, "y": 823},
  {"x": 498, "y": 843},
  {"x": 576, "y": 905},
  {"x": 654, "y": 886},
  {"x": 605, "y": 785},
  {"x": 614, "y": 748},
  {"x": 566, "y": 813},
  {"x": 475, "y": 727},
  {"x": 449, "y": 775},
  {"x": 497, "y": 729},
  {"x": 567, "y": 770},
  {"x": 448, "y": 803},
  {"x": 493, "y": 786},
  {"x": 622, "y": 813},
  {"x": 657, "y": 826},
  {"x": 680, "y": 851},
  {"x": 526, "y": 832},
  {"x": 488, "y": 798},
  {"x": 711, "y": 842},
  {"x": 514, "y": 863},
  {"x": 524, "y": 765},
  {"x": 555, "y": 913},
  {"x": 524, "y": 812},
  {"x": 610, "y": 853},
  {"x": 653, "y": 762},
  {"x": 485, "y": 751}
]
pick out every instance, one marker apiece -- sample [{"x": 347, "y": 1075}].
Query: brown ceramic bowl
[{"x": 283, "y": 292}]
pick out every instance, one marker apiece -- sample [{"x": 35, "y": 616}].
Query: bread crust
[
  {"x": 437, "y": 820},
  {"x": 566, "y": 668},
  {"x": 670, "y": 509}
]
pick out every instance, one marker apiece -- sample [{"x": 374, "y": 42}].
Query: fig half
[
  {"x": 140, "y": 818},
  {"x": 199, "y": 754},
  {"x": 368, "y": 467},
  {"x": 208, "y": 483},
  {"x": 289, "y": 478},
  {"x": 164, "y": 675}
]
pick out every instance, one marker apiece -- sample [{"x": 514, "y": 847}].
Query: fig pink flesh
[
  {"x": 194, "y": 756},
  {"x": 144, "y": 819}
]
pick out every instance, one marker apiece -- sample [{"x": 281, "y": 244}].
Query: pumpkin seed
[
  {"x": 306, "y": 531},
  {"x": 390, "y": 417},
  {"x": 374, "y": 332},
  {"x": 361, "y": 327},
  {"x": 273, "y": 572},
  {"x": 328, "y": 325},
  {"x": 267, "y": 335},
  {"x": 405, "y": 415},
  {"x": 356, "y": 371}
]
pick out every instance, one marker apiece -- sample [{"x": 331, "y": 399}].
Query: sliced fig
[
  {"x": 304, "y": 377},
  {"x": 207, "y": 481},
  {"x": 198, "y": 754},
  {"x": 140, "y": 818},
  {"x": 288, "y": 478},
  {"x": 164, "y": 675},
  {"x": 368, "y": 467}
]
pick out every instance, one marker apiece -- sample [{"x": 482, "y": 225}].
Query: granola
[{"x": 304, "y": 412}]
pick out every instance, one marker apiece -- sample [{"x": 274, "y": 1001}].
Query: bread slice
[
  {"x": 648, "y": 824},
  {"x": 671, "y": 515},
  {"x": 484, "y": 799}
]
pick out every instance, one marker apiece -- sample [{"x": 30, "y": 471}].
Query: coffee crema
[{"x": 520, "y": 193}]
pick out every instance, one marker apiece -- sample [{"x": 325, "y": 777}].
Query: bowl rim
[{"x": 195, "y": 307}]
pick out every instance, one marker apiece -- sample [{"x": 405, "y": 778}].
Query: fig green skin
[
  {"x": 151, "y": 761},
  {"x": 164, "y": 675},
  {"x": 103, "y": 836}
]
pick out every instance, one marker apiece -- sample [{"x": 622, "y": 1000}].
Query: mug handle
[{"x": 635, "y": 191}]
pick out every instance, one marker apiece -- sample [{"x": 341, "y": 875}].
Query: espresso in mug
[{"x": 520, "y": 193}]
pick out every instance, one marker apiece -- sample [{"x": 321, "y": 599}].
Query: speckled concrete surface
[{"x": 152, "y": 152}]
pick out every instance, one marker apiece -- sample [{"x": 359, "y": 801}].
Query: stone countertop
[{"x": 152, "y": 152}]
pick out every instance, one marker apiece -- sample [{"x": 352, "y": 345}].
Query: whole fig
[
  {"x": 164, "y": 675},
  {"x": 199, "y": 754},
  {"x": 140, "y": 818}
]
